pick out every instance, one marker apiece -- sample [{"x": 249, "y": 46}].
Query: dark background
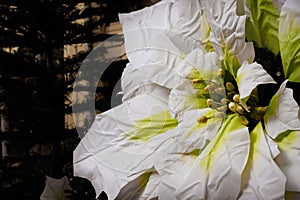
[{"x": 36, "y": 80}]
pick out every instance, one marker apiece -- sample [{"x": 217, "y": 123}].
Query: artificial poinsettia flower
[{"x": 192, "y": 125}]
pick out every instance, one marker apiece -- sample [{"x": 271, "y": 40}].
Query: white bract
[{"x": 173, "y": 136}]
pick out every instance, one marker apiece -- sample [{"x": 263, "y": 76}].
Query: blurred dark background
[{"x": 42, "y": 46}]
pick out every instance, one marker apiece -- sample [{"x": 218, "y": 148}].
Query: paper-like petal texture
[
  {"x": 151, "y": 190},
  {"x": 289, "y": 39},
  {"x": 282, "y": 113},
  {"x": 187, "y": 95},
  {"x": 120, "y": 145},
  {"x": 262, "y": 178},
  {"x": 172, "y": 168},
  {"x": 134, "y": 83},
  {"x": 217, "y": 172},
  {"x": 193, "y": 135},
  {"x": 228, "y": 33},
  {"x": 248, "y": 77},
  {"x": 136, "y": 189},
  {"x": 193, "y": 24},
  {"x": 289, "y": 158},
  {"x": 153, "y": 43}
]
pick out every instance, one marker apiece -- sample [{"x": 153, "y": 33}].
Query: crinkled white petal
[
  {"x": 151, "y": 190},
  {"x": 289, "y": 159},
  {"x": 112, "y": 154},
  {"x": 155, "y": 43},
  {"x": 143, "y": 187},
  {"x": 248, "y": 77},
  {"x": 282, "y": 113},
  {"x": 273, "y": 147},
  {"x": 175, "y": 161},
  {"x": 228, "y": 29},
  {"x": 262, "y": 178},
  {"x": 207, "y": 64},
  {"x": 194, "y": 135},
  {"x": 152, "y": 44},
  {"x": 134, "y": 83},
  {"x": 193, "y": 24},
  {"x": 185, "y": 96},
  {"x": 172, "y": 168},
  {"x": 217, "y": 172}
]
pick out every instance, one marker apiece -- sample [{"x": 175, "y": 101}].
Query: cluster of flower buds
[
  {"x": 215, "y": 93},
  {"x": 226, "y": 100}
]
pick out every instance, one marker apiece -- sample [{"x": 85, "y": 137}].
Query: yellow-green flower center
[{"x": 226, "y": 100}]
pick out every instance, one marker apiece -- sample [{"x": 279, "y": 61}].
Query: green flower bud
[
  {"x": 222, "y": 108},
  {"x": 221, "y": 73},
  {"x": 239, "y": 109},
  {"x": 261, "y": 110},
  {"x": 243, "y": 120},
  {"x": 214, "y": 81},
  {"x": 210, "y": 103},
  {"x": 258, "y": 113},
  {"x": 202, "y": 119},
  {"x": 220, "y": 91},
  {"x": 236, "y": 98},
  {"x": 232, "y": 106},
  {"x": 208, "y": 88},
  {"x": 224, "y": 101},
  {"x": 230, "y": 87}
]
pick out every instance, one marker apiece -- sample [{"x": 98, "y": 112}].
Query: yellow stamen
[
  {"x": 230, "y": 87},
  {"x": 236, "y": 98},
  {"x": 202, "y": 119}
]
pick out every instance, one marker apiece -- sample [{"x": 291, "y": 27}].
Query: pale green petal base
[
  {"x": 262, "y": 178},
  {"x": 282, "y": 113},
  {"x": 289, "y": 158},
  {"x": 217, "y": 172}
]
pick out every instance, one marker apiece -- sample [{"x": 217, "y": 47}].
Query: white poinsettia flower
[{"x": 193, "y": 124}]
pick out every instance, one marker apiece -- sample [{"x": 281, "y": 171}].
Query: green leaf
[
  {"x": 262, "y": 24},
  {"x": 289, "y": 39}
]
